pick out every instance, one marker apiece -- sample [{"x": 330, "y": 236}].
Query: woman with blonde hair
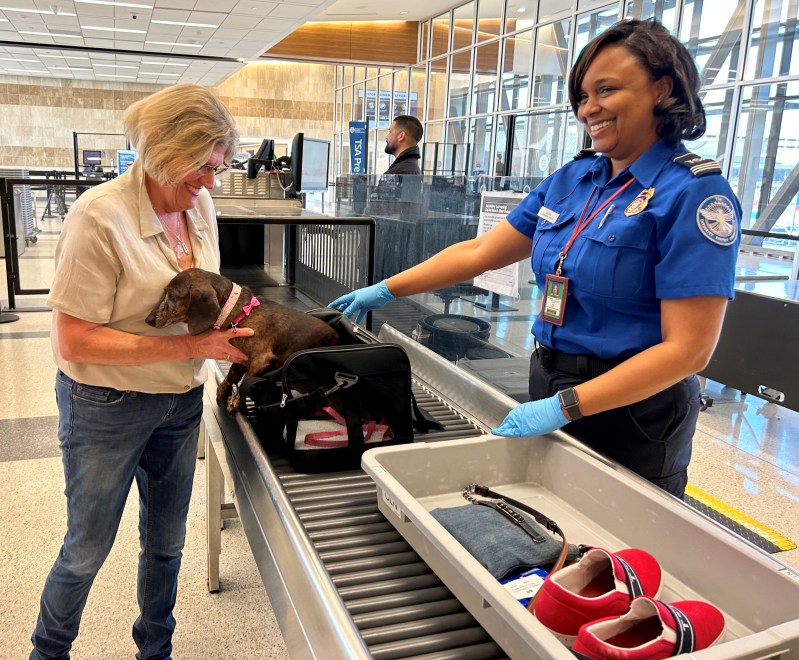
[{"x": 129, "y": 395}]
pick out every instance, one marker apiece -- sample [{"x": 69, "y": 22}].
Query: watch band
[{"x": 571, "y": 404}]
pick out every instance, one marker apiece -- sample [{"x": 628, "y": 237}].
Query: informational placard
[
  {"x": 494, "y": 208},
  {"x": 358, "y": 147},
  {"x": 125, "y": 158}
]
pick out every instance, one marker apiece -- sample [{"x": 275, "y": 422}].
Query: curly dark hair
[{"x": 661, "y": 54}]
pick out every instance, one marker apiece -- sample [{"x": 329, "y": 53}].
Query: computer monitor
[
  {"x": 265, "y": 156},
  {"x": 266, "y": 151},
  {"x": 310, "y": 159},
  {"x": 92, "y": 157}
]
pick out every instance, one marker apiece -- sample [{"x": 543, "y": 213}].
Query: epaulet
[
  {"x": 585, "y": 153},
  {"x": 699, "y": 166}
]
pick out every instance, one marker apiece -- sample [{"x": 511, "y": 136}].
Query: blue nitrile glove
[
  {"x": 533, "y": 418},
  {"x": 365, "y": 300}
]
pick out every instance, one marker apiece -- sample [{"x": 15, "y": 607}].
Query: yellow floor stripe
[{"x": 782, "y": 542}]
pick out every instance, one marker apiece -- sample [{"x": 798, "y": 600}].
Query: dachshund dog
[{"x": 197, "y": 297}]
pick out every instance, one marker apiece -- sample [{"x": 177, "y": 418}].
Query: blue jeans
[{"x": 107, "y": 439}]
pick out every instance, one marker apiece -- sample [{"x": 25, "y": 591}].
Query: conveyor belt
[{"x": 400, "y": 607}]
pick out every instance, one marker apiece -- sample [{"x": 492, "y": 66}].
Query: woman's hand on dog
[{"x": 215, "y": 344}]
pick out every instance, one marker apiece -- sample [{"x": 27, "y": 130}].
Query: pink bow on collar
[{"x": 245, "y": 311}]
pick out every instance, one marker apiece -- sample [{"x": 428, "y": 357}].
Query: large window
[{"x": 494, "y": 73}]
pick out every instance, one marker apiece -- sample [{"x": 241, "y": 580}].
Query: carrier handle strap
[{"x": 292, "y": 409}]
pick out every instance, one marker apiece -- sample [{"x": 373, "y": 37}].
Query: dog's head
[{"x": 190, "y": 297}]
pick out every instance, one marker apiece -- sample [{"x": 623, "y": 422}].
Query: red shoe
[
  {"x": 652, "y": 630},
  {"x": 601, "y": 584}
]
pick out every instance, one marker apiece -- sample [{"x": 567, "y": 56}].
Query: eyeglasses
[{"x": 204, "y": 170}]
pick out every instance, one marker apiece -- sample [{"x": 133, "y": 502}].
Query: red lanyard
[{"x": 583, "y": 222}]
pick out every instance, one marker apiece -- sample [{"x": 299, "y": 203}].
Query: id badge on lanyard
[
  {"x": 556, "y": 286},
  {"x": 555, "y": 290}
]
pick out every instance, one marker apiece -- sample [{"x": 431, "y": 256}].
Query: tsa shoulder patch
[{"x": 716, "y": 219}]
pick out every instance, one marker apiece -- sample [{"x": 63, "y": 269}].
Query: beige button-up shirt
[{"x": 113, "y": 261}]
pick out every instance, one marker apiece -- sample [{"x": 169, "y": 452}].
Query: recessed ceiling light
[
  {"x": 521, "y": 10},
  {"x": 115, "y": 4},
  {"x": 116, "y": 66},
  {"x": 66, "y": 57},
  {"x": 402, "y": 13},
  {"x": 14, "y": 59},
  {"x": 109, "y": 29},
  {"x": 38, "y": 11},
  {"x": 31, "y": 71},
  {"x": 165, "y": 63},
  {"x": 202, "y": 25},
  {"x": 172, "y": 43},
  {"x": 155, "y": 73},
  {"x": 112, "y": 75},
  {"x": 52, "y": 34},
  {"x": 70, "y": 68}
]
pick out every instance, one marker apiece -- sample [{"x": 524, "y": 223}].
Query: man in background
[{"x": 402, "y": 139}]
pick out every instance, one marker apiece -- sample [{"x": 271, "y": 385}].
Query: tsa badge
[
  {"x": 640, "y": 202},
  {"x": 716, "y": 219}
]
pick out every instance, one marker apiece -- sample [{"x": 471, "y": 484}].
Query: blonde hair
[{"x": 175, "y": 130}]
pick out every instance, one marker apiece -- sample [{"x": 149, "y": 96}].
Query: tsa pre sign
[{"x": 358, "y": 147}]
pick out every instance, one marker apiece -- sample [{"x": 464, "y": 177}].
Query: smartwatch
[{"x": 570, "y": 403}]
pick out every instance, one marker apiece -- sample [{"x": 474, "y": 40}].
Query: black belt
[{"x": 584, "y": 366}]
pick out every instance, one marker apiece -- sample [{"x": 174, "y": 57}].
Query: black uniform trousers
[{"x": 652, "y": 437}]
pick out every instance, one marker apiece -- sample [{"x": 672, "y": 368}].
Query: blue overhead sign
[{"x": 358, "y": 147}]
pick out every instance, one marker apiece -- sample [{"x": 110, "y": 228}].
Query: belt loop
[{"x": 544, "y": 356}]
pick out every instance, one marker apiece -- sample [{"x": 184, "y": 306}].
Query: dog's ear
[{"x": 203, "y": 309}]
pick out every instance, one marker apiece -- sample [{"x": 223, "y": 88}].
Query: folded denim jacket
[{"x": 499, "y": 545}]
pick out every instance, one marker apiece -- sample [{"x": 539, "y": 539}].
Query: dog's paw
[
  {"x": 222, "y": 392},
  {"x": 233, "y": 403}
]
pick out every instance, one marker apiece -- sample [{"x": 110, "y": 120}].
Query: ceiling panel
[{"x": 211, "y": 37}]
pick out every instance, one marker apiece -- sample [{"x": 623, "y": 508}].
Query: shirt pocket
[
  {"x": 616, "y": 263},
  {"x": 549, "y": 239}
]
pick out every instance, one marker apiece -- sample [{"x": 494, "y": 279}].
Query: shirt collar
[
  {"x": 149, "y": 224},
  {"x": 646, "y": 167}
]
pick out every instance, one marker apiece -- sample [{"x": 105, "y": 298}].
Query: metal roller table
[{"x": 342, "y": 581}]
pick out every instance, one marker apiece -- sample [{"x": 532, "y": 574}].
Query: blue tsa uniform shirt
[{"x": 672, "y": 233}]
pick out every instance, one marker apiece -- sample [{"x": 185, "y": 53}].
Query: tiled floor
[{"x": 746, "y": 454}]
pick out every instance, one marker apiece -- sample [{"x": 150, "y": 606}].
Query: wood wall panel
[{"x": 384, "y": 42}]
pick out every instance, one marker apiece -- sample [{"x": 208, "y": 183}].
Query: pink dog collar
[
  {"x": 245, "y": 311},
  {"x": 231, "y": 301}
]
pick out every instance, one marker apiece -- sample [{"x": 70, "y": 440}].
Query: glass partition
[
  {"x": 489, "y": 19},
  {"x": 765, "y": 164},
  {"x": 463, "y": 26},
  {"x": 460, "y": 65},
  {"x": 417, "y": 98},
  {"x": 439, "y": 44},
  {"x": 663, "y": 10},
  {"x": 773, "y": 44},
  {"x": 592, "y": 23},
  {"x": 481, "y": 130},
  {"x": 551, "y": 9},
  {"x": 520, "y": 14},
  {"x": 437, "y": 90},
  {"x": 484, "y": 85},
  {"x": 415, "y": 217},
  {"x": 712, "y": 33},
  {"x": 400, "y": 95},
  {"x": 516, "y": 65},
  {"x": 551, "y": 64},
  {"x": 433, "y": 134}
]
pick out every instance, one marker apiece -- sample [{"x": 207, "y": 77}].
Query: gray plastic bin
[{"x": 596, "y": 504}]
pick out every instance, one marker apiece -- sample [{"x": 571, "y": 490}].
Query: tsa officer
[{"x": 640, "y": 237}]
